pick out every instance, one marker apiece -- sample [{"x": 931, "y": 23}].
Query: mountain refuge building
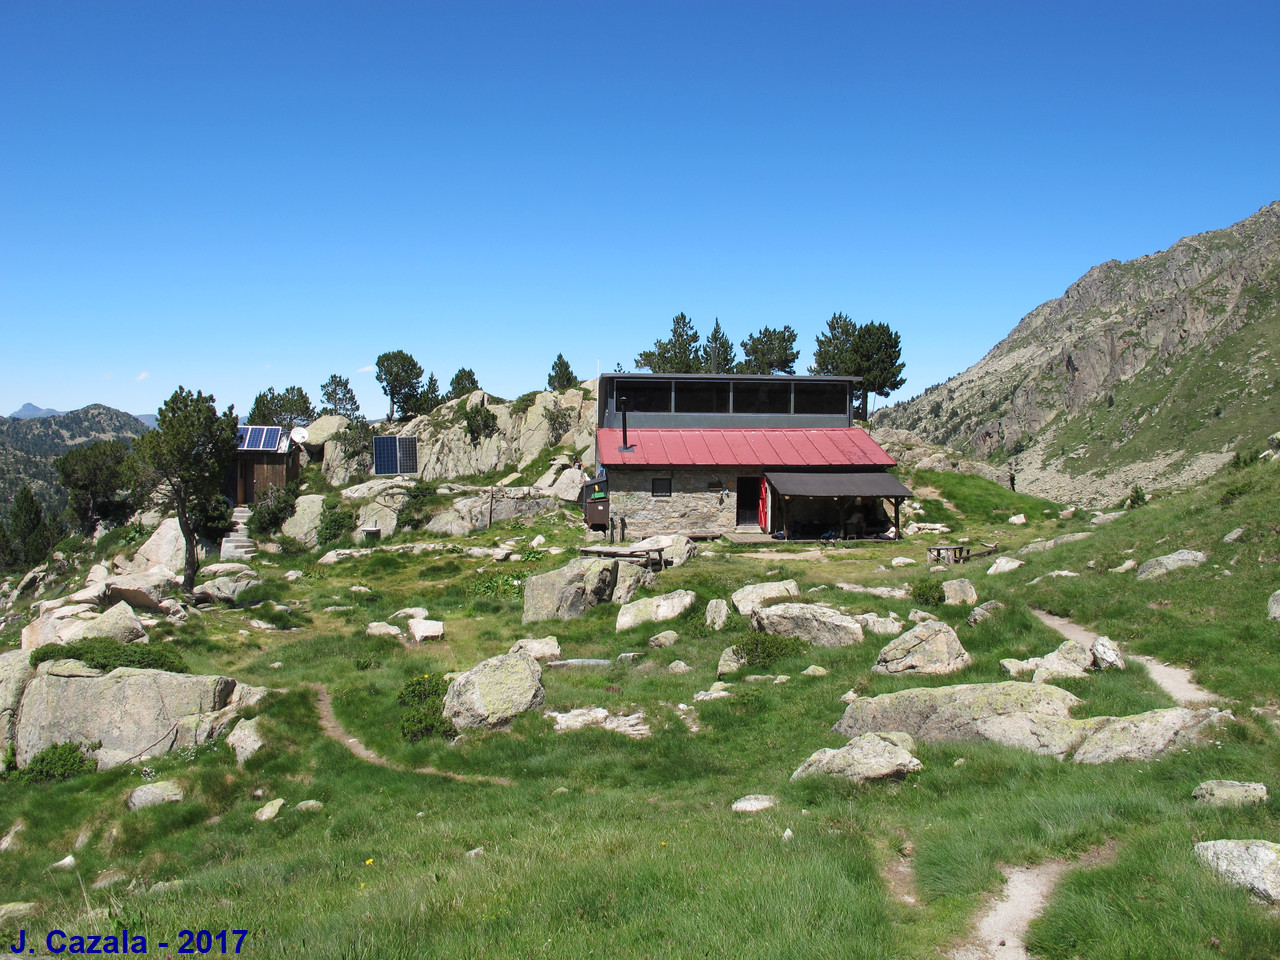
[{"x": 708, "y": 454}]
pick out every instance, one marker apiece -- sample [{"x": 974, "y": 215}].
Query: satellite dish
[{"x": 298, "y": 435}]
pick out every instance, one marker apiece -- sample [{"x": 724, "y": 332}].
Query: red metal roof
[{"x": 778, "y": 447}]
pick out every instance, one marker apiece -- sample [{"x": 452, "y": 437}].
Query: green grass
[{"x": 603, "y": 845}]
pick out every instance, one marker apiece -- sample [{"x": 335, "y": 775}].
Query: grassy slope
[{"x": 639, "y": 854}]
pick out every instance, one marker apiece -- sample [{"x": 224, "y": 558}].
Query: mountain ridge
[{"x": 1125, "y": 378}]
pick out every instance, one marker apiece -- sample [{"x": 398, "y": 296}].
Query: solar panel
[
  {"x": 255, "y": 439},
  {"x": 241, "y": 437},
  {"x": 385, "y": 456},
  {"x": 270, "y": 438},
  {"x": 408, "y": 455}
]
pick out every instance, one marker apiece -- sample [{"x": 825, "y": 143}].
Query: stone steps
[{"x": 238, "y": 545}]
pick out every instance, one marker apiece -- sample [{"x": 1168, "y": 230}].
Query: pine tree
[
  {"x": 770, "y": 351},
  {"x": 561, "y": 376},
  {"x": 678, "y": 354},
  {"x": 30, "y": 534},
  {"x": 401, "y": 379},
  {"x": 717, "y": 354},
  {"x": 464, "y": 383},
  {"x": 871, "y": 351},
  {"x": 190, "y": 450},
  {"x": 339, "y": 399}
]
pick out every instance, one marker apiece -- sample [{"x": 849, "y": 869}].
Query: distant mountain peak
[{"x": 29, "y": 411}]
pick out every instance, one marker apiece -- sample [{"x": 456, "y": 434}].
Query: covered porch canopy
[{"x": 844, "y": 489}]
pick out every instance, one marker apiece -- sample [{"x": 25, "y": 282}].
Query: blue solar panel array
[
  {"x": 408, "y": 455},
  {"x": 259, "y": 438},
  {"x": 392, "y": 455},
  {"x": 386, "y": 456}
]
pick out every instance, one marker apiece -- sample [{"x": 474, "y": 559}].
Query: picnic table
[
  {"x": 960, "y": 552},
  {"x": 648, "y": 557}
]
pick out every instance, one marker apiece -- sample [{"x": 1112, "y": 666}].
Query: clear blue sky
[{"x": 235, "y": 195}]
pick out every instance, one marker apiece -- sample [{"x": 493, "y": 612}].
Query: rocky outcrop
[
  {"x": 226, "y": 589},
  {"x": 666, "y": 606},
  {"x": 1070, "y": 660},
  {"x": 15, "y": 671},
  {"x": 1040, "y": 546},
  {"x": 1028, "y": 716},
  {"x": 811, "y": 622},
  {"x": 499, "y": 503},
  {"x": 578, "y": 586},
  {"x": 142, "y": 591},
  {"x": 931, "y": 647},
  {"x": 446, "y": 450},
  {"x": 1104, "y": 347},
  {"x": 133, "y": 713},
  {"x": 167, "y": 548},
  {"x": 750, "y": 598},
  {"x": 304, "y": 525},
  {"x": 493, "y": 693},
  {"x": 1252, "y": 864},
  {"x": 871, "y": 756},
  {"x": 1146, "y": 735},
  {"x": 1159, "y": 566}
]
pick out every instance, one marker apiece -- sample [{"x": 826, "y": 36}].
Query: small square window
[{"x": 662, "y": 486}]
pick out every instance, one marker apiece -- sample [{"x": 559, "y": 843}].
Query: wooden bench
[
  {"x": 648, "y": 557},
  {"x": 959, "y": 552}
]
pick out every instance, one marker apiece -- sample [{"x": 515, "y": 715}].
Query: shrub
[
  {"x": 481, "y": 422},
  {"x": 272, "y": 509},
  {"x": 1137, "y": 498},
  {"x": 61, "y": 761},
  {"x": 424, "y": 698},
  {"x": 103, "y": 653},
  {"x": 762, "y": 649},
  {"x": 1234, "y": 493},
  {"x": 928, "y": 593},
  {"x": 336, "y": 521},
  {"x": 558, "y": 423},
  {"x": 523, "y": 402}
]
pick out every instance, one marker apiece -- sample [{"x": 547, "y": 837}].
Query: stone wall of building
[{"x": 691, "y": 508}]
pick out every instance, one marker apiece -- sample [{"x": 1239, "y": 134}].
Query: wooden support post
[{"x": 897, "y": 523}]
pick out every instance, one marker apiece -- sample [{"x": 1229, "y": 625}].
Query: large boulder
[
  {"x": 1252, "y": 864},
  {"x": 55, "y": 625},
  {"x": 542, "y": 648},
  {"x": 142, "y": 591},
  {"x": 167, "y": 548},
  {"x": 1159, "y": 566},
  {"x": 15, "y": 671},
  {"x": 1146, "y": 735},
  {"x": 321, "y": 431},
  {"x": 814, "y": 623},
  {"x": 133, "y": 713},
  {"x": 578, "y": 586},
  {"x": 224, "y": 588},
  {"x": 382, "y": 514},
  {"x": 245, "y": 740},
  {"x": 966, "y": 712},
  {"x": 929, "y": 647},
  {"x": 1003, "y": 565},
  {"x": 959, "y": 593},
  {"x": 491, "y": 694},
  {"x": 871, "y": 756},
  {"x": 304, "y": 525},
  {"x": 118, "y": 623},
  {"x": 379, "y": 487},
  {"x": 568, "y": 486},
  {"x": 1273, "y": 606},
  {"x": 718, "y": 613},
  {"x": 749, "y": 598},
  {"x": 154, "y": 794},
  {"x": 666, "y": 606}
]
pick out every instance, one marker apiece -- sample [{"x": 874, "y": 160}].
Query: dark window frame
[{"x": 658, "y": 486}]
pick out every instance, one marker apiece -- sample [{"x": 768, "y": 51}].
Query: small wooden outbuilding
[{"x": 265, "y": 457}]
